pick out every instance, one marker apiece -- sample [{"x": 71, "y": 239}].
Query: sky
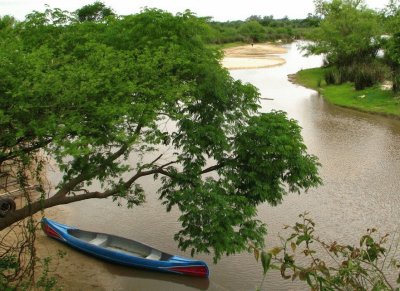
[{"x": 220, "y": 10}]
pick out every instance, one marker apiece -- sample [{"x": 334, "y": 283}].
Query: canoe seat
[
  {"x": 154, "y": 255},
  {"x": 122, "y": 251},
  {"x": 99, "y": 240}
]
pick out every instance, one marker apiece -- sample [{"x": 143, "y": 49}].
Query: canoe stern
[
  {"x": 185, "y": 266},
  {"x": 194, "y": 270}
]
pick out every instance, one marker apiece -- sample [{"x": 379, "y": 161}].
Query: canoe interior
[{"x": 120, "y": 245}]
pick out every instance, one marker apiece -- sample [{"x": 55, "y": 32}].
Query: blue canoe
[{"x": 123, "y": 251}]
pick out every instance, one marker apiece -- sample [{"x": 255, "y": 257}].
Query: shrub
[
  {"x": 396, "y": 81},
  {"x": 362, "y": 74},
  {"x": 367, "y": 75},
  {"x": 302, "y": 255},
  {"x": 332, "y": 76}
]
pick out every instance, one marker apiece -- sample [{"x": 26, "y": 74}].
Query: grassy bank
[{"x": 372, "y": 100}]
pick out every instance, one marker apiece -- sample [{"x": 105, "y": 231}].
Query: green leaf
[{"x": 265, "y": 261}]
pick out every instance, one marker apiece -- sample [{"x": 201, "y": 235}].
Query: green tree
[
  {"x": 392, "y": 45},
  {"x": 97, "y": 11},
  {"x": 7, "y": 22},
  {"x": 392, "y": 15},
  {"x": 93, "y": 95},
  {"x": 392, "y": 55},
  {"x": 253, "y": 30},
  {"x": 349, "y": 32}
]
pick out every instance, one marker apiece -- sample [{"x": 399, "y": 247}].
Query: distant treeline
[{"x": 260, "y": 29}]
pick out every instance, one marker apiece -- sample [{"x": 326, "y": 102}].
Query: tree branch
[
  {"x": 213, "y": 168},
  {"x": 60, "y": 200},
  {"x": 17, "y": 153},
  {"x": 84, "y": 176}
]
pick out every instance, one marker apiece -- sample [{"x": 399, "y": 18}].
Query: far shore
[{"x": 254, "y": 56}]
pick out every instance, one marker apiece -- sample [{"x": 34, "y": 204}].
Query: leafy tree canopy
[
  {"x": 349, "y": 32},
  {"x": 118, "y": 99},
  {"x": 94, "y": 12},
  {"x": 253, "y": 30}
]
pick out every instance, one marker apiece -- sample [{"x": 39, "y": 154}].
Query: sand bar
[{"x": 253, "y": 56}]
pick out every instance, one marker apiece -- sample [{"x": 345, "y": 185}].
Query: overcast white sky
[{"x": 221, "y": 10}]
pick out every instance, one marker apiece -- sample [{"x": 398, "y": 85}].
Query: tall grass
[{"x": 364, "y": 75}]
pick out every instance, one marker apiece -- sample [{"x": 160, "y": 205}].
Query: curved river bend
[{"x": 360, "y": 161}]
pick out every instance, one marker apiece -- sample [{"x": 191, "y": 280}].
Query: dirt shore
[
  {"x": 75, "y": 271},
  {"x": 253, "y": 56}
]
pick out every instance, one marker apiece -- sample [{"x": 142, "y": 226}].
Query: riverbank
[
  {"x": 372, "y": 100},
  {"x": 76, "y": 270},
  {"x": 253, "y": 56}
]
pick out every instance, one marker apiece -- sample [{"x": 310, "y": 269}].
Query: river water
[{"x": 360, "y": 161}]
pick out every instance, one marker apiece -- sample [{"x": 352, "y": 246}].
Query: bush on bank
[{"x": 373, "y": 99}]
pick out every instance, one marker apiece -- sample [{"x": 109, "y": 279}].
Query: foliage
[
  {"x": 332, "y": 76},
  {"x": 115, "y": 99},
  {"x": 349, "y": 32},
  {"x": 392, "y": 55},
  {"x": 349, "y": 36},
  {"x": 253, "y": 31},
  {"x": 7, "y": 22},
  {"x": 267, "y": 155},
  {"x": 257, "y": 29},
  {"x": 391, "y": 15},
  {"x": 334, "y": 266},
  {"x": 94, "y": 12},
  {"x": 368, "y": 75},
  {"x": 362, "y": 75}
]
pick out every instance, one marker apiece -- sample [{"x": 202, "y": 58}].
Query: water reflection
[{"x": 155, "y": 281}]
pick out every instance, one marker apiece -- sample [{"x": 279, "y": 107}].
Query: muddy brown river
[{"x": 360, "y": 161}]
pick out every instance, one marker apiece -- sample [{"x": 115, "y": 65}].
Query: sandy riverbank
[
  {"x": 251, "y": 57},
  {"x": 75, "y": 271}
]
